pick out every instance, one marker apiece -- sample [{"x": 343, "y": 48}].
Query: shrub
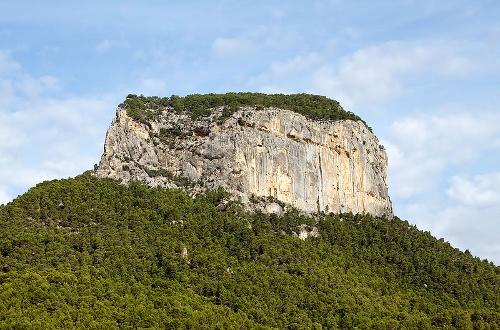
[{"x": 143, "y": 108}]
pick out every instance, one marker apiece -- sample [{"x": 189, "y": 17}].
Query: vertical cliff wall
[{"x": 330, "y": 166}]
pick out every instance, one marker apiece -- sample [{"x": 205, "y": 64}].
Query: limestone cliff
[{"x": 330, "y": 166}]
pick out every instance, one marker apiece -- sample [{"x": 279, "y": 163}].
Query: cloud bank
[{"x": 43, "y": 135}]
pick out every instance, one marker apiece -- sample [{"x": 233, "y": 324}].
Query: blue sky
[{"x": 424, "y": 74}]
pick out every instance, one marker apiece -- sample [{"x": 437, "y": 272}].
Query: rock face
[{"x": 330, "y": 166}]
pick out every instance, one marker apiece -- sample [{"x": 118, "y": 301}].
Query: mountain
[
  {"x": 92, "y": 252},
  {"x": 253, "y": 148}
]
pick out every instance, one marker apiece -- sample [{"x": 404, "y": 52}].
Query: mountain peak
[{"x": 302, "y": 150}]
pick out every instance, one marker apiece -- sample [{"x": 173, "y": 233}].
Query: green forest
[
  {"x": 146, "y": 108},
  {"x": 91, "y": 253}
]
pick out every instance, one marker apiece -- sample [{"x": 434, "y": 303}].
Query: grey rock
[
  {"x": 314, "y": 166},
  {"x": 305, "y": 232},
  {"x": 273, "y": 208}
]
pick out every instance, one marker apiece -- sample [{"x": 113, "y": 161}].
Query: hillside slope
[{"x": 92, "y": 253}]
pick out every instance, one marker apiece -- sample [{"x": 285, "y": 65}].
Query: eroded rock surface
[{"x": 330, "y": 166}]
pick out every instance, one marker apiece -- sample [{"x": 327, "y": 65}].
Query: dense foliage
[
  {"x": 91, "y": 253},
  {"x": 145, "y": 109}
]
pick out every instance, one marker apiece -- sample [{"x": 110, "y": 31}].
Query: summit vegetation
[
  {"x": 145, "y": 109},
  {"x": 91, "y": 253}
]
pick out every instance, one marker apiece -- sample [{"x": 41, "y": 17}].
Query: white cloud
[
  {"x": 50, "y": 139},
  {"x": 375, "y": 74},
  {"x": 475, "y": 228},
  {"x": 422, "y": 151},
  {"x": 4, "y": 197},
  {"x": 7, "y": 65},
  {"x": 480, "y": 190},
  {"x": 421, "y": 147},
  {"x": 456, "y": 66},
  {"x": 367, "y": 76},
  {"x": 470, "y": 226},
  {"x": 223, "y": 47},
  {"x": 14, "y": 82},
  {"x": 43, "y": 137},
  {"x": 34, "y": 86}
]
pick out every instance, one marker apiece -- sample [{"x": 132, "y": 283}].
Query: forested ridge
[{"x": 92, "y": 253}]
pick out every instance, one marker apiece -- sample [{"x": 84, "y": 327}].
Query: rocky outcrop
[{"x": 329, "y": 166}]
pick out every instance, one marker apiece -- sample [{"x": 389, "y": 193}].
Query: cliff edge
[{"x": 252, "y": 151}]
